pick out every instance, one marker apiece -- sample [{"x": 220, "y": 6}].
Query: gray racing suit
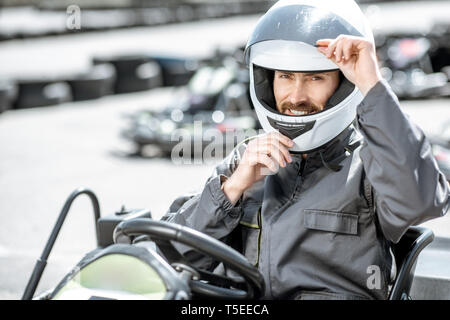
[{"x": 323, "y": 226}]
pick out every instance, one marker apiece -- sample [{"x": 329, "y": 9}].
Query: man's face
[{"x": 300, "y": 94}]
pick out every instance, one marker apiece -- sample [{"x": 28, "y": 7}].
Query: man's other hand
[
  {"x": 355, "y": 57},
  {"x": 263, "y": 156}
]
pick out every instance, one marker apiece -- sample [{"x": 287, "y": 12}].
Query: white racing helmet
[{"x": 284, "y": 39}]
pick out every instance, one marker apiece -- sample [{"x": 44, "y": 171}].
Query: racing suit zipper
[
  {"x": 259, "y": 237},
  {"x": 267, "y": 229}
]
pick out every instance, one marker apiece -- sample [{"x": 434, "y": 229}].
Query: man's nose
[{"x": 298, "y": 94}]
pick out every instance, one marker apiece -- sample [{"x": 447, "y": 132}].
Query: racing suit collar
[{"x": 332, "y": 153}]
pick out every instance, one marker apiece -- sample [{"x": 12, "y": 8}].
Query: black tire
[
  {"x": 134, "y": 73},
  {"x": 95, "y": 84},
  {"x": 38, "y": 93},
  {"x": 176, "y": 71}
]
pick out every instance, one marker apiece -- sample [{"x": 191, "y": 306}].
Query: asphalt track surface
[{"x": 48, "y": 152}]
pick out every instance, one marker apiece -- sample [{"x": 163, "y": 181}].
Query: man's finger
[
  {"x": 272, "y": 149},
  {"x": 348, "y": 50},
  {"x": 283, "y": 151},
  {"x": 323, "y": 42},
  {"x": 282, "y": 138},
  {"x": 282, "y": 143},
  {"x": 338, "y": 51},
  {"x": 267, "y": 161},
  {"x": 273, "y": 143},
  {"x": 331, "y": 48},
  {"x": 276, "y": 154}
]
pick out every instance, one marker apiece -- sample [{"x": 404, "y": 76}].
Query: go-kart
[
  {"x": 168, "y": 135},
  {"x": 128, "y": 262},
  {"x": 216, "y": 96},
  {"x": 136, "y": 259},
  {"x": 416, "y": 65}
]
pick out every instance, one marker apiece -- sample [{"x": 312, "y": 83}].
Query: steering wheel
[{"x": 163, "y": 232}]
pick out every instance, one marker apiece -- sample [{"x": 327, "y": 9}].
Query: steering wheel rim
[{"x": 166, "y": 231}]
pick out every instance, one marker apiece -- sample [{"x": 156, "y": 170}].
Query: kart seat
[{"x": 406, "y": 252}]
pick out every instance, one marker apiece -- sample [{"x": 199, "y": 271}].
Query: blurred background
[{"x": 91, "y": 93}]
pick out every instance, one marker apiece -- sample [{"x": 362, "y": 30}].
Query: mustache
[{"x": 303, "y": 106}]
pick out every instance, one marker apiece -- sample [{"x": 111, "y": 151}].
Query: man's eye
[
  {"x": 316, "y": 78},
  {"x": 285, "y": 76}
]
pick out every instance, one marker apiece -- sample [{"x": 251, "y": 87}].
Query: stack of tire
[
  {"x": 92, "y": 84},
  {"x": 134, "y": 72},
  {"x": 145, "y": 72},
  {"x": 106, "y": 76}
]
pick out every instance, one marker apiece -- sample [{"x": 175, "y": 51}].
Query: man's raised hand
[{"x": 355, "y": 57}]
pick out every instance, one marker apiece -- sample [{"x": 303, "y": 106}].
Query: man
[{"x": 341, "y": 173}]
